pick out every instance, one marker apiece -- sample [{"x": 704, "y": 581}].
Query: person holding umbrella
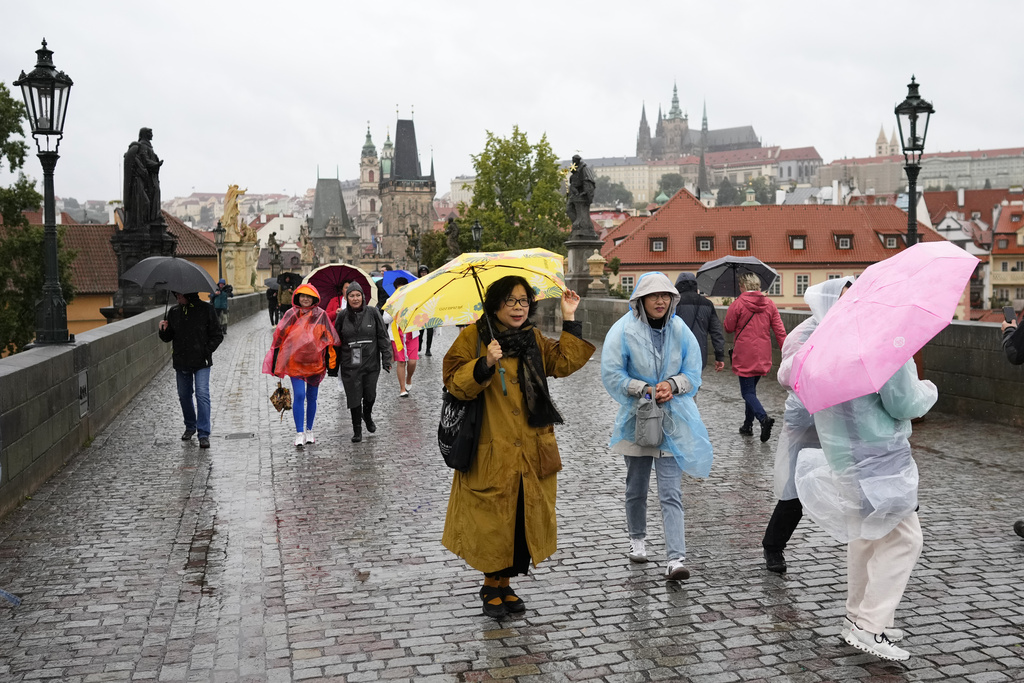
[
  {"x": 798, "y": 430},
  {"x": 302, "y": 349},
  {"x": 405, "y": 349},
  {"x": 192, "y": 328},
  {"x": 365, "y": 349},
  {"x": 699, "y": 314},
  {"x": 650, "y": 353},
  {"x": 501, "y": 512},
  {"x": 754, "y": 319}
]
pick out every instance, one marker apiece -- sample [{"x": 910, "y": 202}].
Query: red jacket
[{"x": 753, "y": 317}]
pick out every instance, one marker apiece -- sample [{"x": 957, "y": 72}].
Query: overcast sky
[{"x": 263, "y": 93}]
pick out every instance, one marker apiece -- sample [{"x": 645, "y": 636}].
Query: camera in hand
[{"x": 1009, "y": 315}]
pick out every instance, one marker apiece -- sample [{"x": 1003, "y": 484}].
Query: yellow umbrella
[{"x": 453, "y": 294}]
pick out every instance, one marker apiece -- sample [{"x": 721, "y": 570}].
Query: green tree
[
  {"x": 434, "y": 249},
  {"x": 517, "y": 197},
  {"x": 764, "y": 189},
  {"x": 671, "y": 183},
  {"x": 608, "y": 193},
  {"x": 21, "y": 245},
  {"x": 727, "y": 194}
]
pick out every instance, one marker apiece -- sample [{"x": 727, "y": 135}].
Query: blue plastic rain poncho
[
  {"x": 634, "y": 356},
  {"x": 863, "y": 480},
  {"x": 797, "y": 424}
]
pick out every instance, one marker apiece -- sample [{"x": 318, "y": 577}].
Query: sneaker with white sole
[
  {"x": 299, "y": 439},
  {"x": 309, "y": 436},
  {"x": 894, "y": 635},
  {"x": 677, "y": 570},
  {"x": 408, "y": 386},
  {"x": 637, "y": 550},
  {"x": 875, "y": 644}
]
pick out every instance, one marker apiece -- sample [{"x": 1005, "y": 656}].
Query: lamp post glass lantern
[
  {"x": 218, "y": 239},
  {"x": 46, "y": 91},
  {"x": 478, "y": 233},
  {"x": 912, "y": 117}
]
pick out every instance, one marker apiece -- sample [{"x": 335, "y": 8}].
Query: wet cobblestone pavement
[{"x": 147, "y": 558}]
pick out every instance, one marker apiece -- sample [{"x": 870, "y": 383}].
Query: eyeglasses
[
  {"x": 664, "y": 296},
  {"x": 512, "y": 301}
]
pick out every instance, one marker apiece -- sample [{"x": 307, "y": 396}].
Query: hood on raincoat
[
  {"x": 823, "y": 296},
  {"x": 686, "y": 282},
  {"x": 652, "y": 283},
  {"x": 307, "y": 289}
]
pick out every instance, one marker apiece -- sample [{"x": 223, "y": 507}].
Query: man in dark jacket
[
  {"x": 193, "y": 328},
  {"x": 699, "y": 315},
  {"x": 1013, "y": 345}
]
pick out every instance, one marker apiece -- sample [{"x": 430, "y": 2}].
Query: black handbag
[{"x": 458, "y": 430}]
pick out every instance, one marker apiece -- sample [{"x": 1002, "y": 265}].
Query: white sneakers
[
  {"x": 877, "y": 644},
  {"x": 299, "y": 439},
  {"x": 403, "y": 394},
  {"x": 309, "y": 436},
  {"x": 677, "y": 570},
  {"x": 893, "y": 634},
  {"x": 637, "y": 550}
]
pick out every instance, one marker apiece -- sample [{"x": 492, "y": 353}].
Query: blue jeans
[
  {"x": 748, "y": 389},
  {"x": 201, "y": 380},
  {"x": 670, "y": 495},
  {"x": 303, "y": 402}
]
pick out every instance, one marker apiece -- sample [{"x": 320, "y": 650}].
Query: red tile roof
[
  {"x": 759, "y": 155},
  {"x": 982, "y": 201},
  {"x": 976, "y": 154},
  {"x": 799, "y": 154},
  {"x": 620, "y": 231},
  {"x": 190, "y": 242},
  {"x": 36, "y": 218},
  {"x": 94, "y": 269},
  {"x": 683, "y": 219}
]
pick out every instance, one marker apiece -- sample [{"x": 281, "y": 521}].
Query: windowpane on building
[{"x": 802, "y": 283}]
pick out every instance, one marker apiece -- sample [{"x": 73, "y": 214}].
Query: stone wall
[
  {"x": 966, "y": 360},
  {"x": 54, "y": 399}
]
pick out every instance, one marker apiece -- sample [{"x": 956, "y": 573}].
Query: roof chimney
[{"x": 960, "y": 197}]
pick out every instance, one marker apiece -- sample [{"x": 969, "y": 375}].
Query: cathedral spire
[{"x": 675, "y": 112}]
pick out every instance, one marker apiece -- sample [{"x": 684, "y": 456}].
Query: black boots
[
  {"x": 357, "y": 425},
  {"x": 371, "y": 426}
]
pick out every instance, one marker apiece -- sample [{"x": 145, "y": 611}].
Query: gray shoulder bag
[{"x": 649, "y": 418}]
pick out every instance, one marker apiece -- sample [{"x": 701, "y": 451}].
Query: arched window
[
  {"x": 371, "y": 176},
  {"x": 373, "y": 202}
]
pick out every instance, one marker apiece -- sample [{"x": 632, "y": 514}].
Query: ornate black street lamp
[
  {"x": 46, "y": 92},
  {"x": 909, "y": 113},
  {"x": 218, "y": 239},
  {"x": 478, "y": 233}
]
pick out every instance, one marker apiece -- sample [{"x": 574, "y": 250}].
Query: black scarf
[{"x": 522, "y": 344}]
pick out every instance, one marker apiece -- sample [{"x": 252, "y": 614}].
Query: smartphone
[{"x": 1009, "y": 315}]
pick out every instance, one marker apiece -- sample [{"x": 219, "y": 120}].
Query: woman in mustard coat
[{"x": 501, "y": 512}]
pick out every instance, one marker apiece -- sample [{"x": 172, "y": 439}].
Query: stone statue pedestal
[
  {"x": 578, "y": 277},
  {"x": 238, "y": 262},
  {"x": 130, "y": 248}
]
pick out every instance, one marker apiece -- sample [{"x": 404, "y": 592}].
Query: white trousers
[{"x": 877, "y": 573}]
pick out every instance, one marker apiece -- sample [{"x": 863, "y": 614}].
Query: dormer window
[
  {"x": 657, "y": 244},
  {"x": 798, "y": 242},
  {"x": 705, "y": 243},
  {"x": 741, "y": 243},
  {"x": 1015, "y": 218},
  {"x": 844, "y": 243},
  {"x": 890, "y": 242},
  {"x": 1003, "y": 244}
]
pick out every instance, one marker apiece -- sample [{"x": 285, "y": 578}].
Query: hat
[
  {"x": 308, "y": 290},
  {"x": 686, "y": 282},
  {"x": 222, "y": 281},
  {"x": 354, "y": 287},
  {"x": 423, "y": 269}
]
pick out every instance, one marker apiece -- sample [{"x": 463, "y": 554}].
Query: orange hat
[{"x": 307, "y": 289}]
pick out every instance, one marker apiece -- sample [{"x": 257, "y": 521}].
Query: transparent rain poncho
[
  {"x": 629, "y": 353},
  {"x": 863, "y": 480},
  {"x": 798, "y": 430}
]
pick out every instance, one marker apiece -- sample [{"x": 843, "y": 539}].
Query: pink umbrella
[{"x": 892, "y": 310}]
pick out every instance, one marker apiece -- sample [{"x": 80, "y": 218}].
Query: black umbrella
[
  {"x": 271, "y": 283},
  {"x": 721, "y": 277},
  {"x": 289, "y": 280},
  {"x": 170, "y": 273}
]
